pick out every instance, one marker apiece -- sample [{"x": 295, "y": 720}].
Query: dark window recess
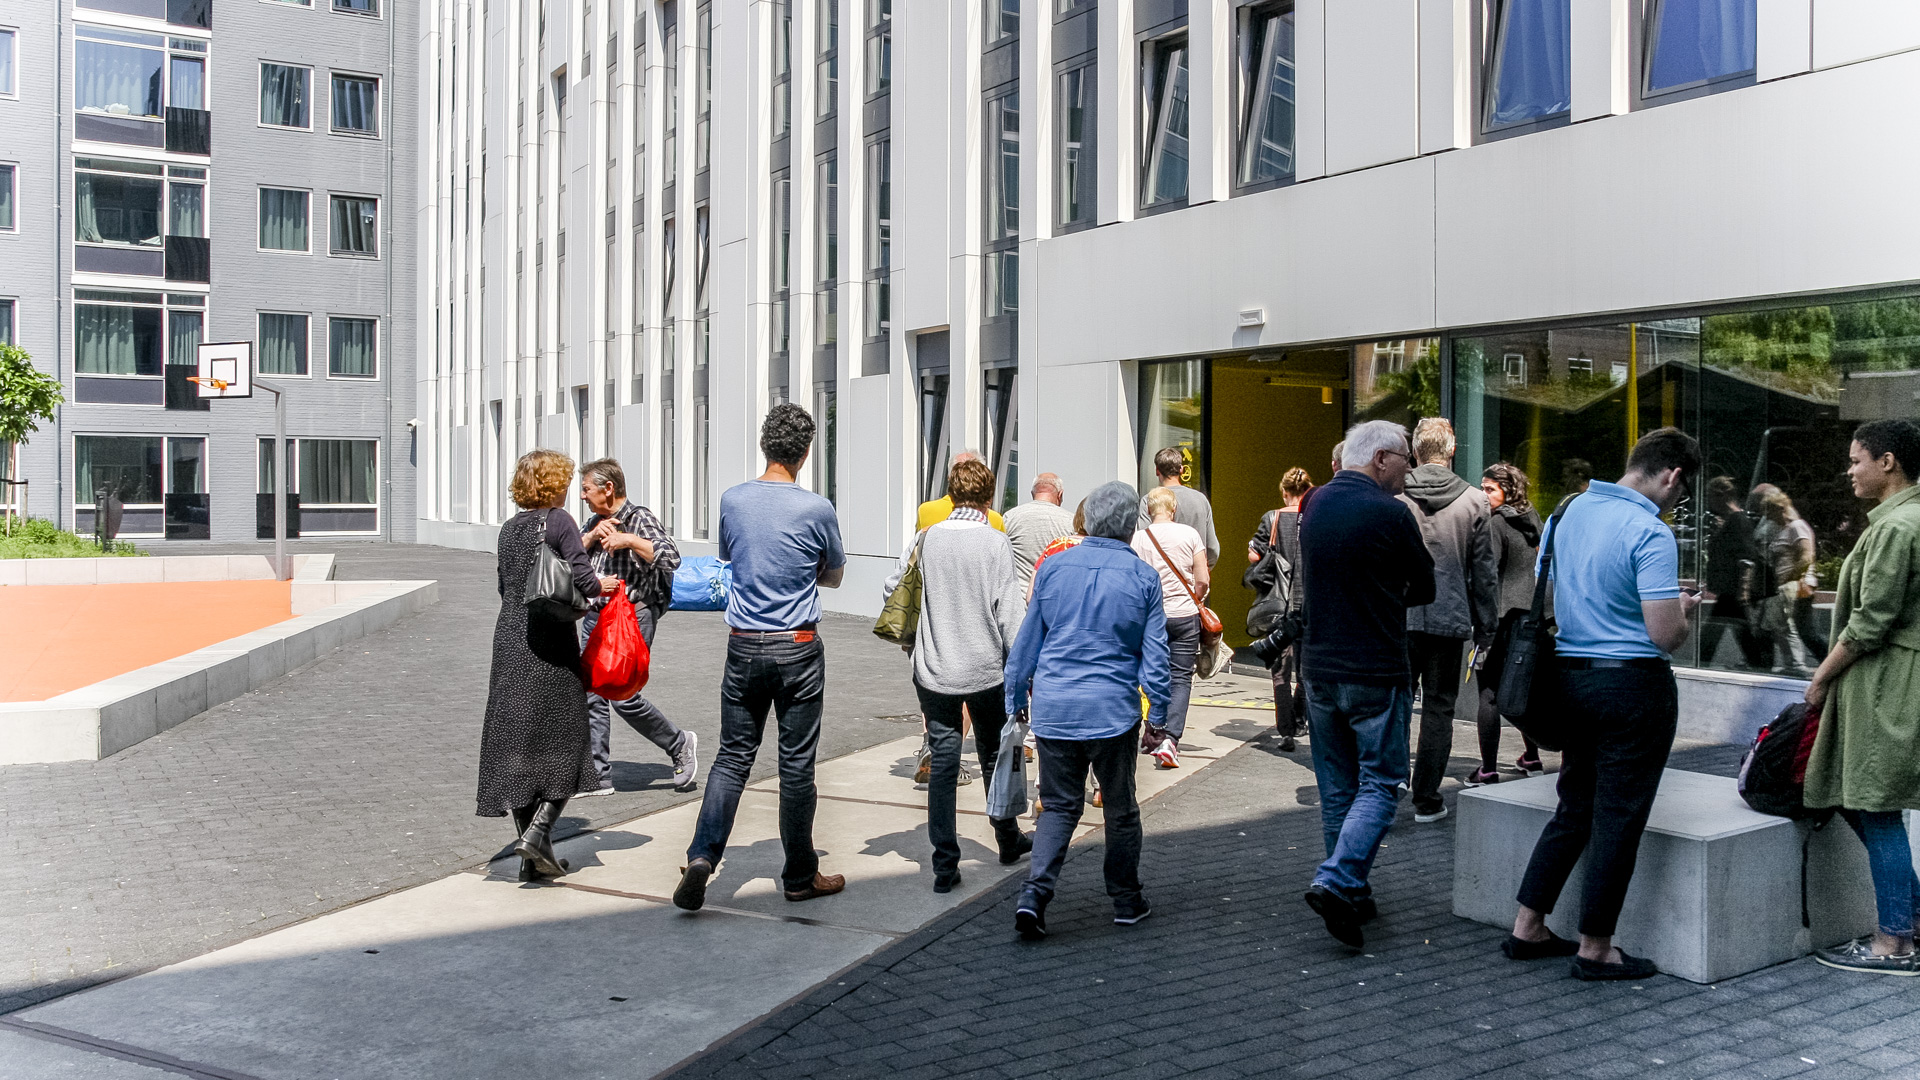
[
  {"x": 191, "y": 13},
  {"x": 95, "y": 391},
  {"x": 125, "y": 130},
  {"x": 187, "y": 259},
  {"x": 189, "y": 131},
  {"x": 189, "y": 517},
  {"x": 184, "y": 396},
  {"x": 263, "y": 514},
  {"x": 136, "y": 262}
]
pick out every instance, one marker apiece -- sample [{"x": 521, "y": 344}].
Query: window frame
[
  {"x": 338, "y": 253},
  {"x": 296, "y": 450},
  {"x": 379, "y": 104},
  {"x": 160, "y": 367},
  {"x": 259, "y": 209},
  {"x": 12, "y": 171},
  {"x": 1646, "y": 40},
  {"x": 1250, "y": 77},
  {"x": 876, "y": 256},
  {"x": 260, "y": 112},
  {"x": 12, "y": 93},
  {"x": 379, "y": 11},
  {"x": 1151, "y": 90},
  {"x": 879, "y": 47},
  {"x": 375, "y": 320},
  {"x": 306, "y": 342},
  {"x": 993, "y": 23},
  {"x": 167, "y": 439},
  {"x": 1088, "y": 161},
  {"x": 826, "y": 58},
  {"x": 103, "y": 34},
  {"x": 1493, "y": 12},
  {"x": 159, "y": 177}
]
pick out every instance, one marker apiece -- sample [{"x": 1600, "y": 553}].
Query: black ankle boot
[
  {"x": 1013, "y": 842},
  {"x": 522, "y": 817},
  {"x": 536, "y": 845}
]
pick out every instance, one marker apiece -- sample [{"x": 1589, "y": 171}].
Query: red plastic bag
[{"x": 616, "y": 659}]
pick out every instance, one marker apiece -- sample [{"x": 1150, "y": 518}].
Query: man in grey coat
[{"x": 1454, "y": 519}]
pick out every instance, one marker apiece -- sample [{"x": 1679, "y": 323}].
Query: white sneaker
[
  {"x": 1166, "y": 755},
  {"x": 608, "y": 790}
]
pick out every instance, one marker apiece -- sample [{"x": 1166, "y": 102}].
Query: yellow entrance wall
[{"x": 1256, "y": 433}]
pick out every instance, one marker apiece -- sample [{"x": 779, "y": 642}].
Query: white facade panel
[
  {"x": 1848, "y": 30},
  {"x": 1783, "y": 38},
  {"x": 1372, "y": 82}
]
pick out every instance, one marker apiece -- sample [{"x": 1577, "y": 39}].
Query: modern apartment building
[
  {"x": 1070, "y": 233},
  {"x": 179, "y": 171}
]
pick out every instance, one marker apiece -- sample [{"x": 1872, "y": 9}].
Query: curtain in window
[
  {"x": 6, "y": 196},
  {"x": 283, "y": 219},
  {"x": 334, "y": 471},
  {"x": 183, "y": 338},
  {"x": 283, "y": 344},
  {"x": 283, "y": 95},
  {"x": 117, "y": 79},
  {"x": 186, "y": 84},
  {"x": 6, "y": 322},
  {"x": 350, "y": 347},
  {"x": 1531, "y": 79},
  {"x": 116, "y": 340},
  {"x": 356, "y": 104},
  {"x": 1167, "y": 140},
  {"x": 116, "y": 210},
  {"x": 6, "y": 62},
  {"x": 1699, "y": 40},
  {"x": 184, "y": 210},
  {"x": 353, "y": 225},
  {"x": 365, "y": 7},
  {"x": 129, "y": 466}
]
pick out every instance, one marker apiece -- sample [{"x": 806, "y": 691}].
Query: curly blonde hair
[{"x": 541, "y": 478}]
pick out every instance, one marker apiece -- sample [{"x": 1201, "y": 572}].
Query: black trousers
[
  {"x": 1626, "y": 718},
  {"x": 1064, "y": 764},
  {"x": 989, "y": 711},
  {"x": 1436, "y": 666}
]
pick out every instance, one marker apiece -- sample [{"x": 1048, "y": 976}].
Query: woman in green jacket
[{"x": 1866, "y": 756}]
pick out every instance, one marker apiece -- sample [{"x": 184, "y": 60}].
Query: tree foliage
[{"x": 27, "y": 396}]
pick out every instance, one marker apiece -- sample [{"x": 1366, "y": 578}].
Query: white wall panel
[
  {"x": 924, "y": 168},
  {"x": 1446, "y": 75},
  {"x": 1849, "y": 30},
  {"x": 1784, "y": 33},
  {"x": 1753, "y": 193},
  {"x": 1326, "y": 260},
  {"x": 1079, "y": 423},
  {"x": 1601, "y": 82},
  {"x": 869, "y": 462},
  {"x": 1373, "y": 82},
  {"x": 1310, "y": 89}
]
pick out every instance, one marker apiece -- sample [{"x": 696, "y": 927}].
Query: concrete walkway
[{"x": 596, "y": 975}]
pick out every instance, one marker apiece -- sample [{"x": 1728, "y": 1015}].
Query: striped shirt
[{"x": 649, "y": 585}]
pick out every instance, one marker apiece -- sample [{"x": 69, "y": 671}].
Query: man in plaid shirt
[{"x": 625, "y": 540}]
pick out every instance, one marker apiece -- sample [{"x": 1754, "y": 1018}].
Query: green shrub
[{"x": 34, "y": 538}]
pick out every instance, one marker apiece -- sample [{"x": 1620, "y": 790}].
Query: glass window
[
  {"x": 357, "y": 7},
  {"x": 6, "y": 198},
  {"x": 1699, "y": 41},
  {"x": 1003, "y": 283},
  {"x": 283, "y": 95},
  {"x": 186, "y": 466},
  {"x": 116, "y": 340},
  {"x": 129, "y": 466},
  {"x": 1003, "y": 19},
  {"x": 356, "y": 104},
  {"x": 337, "y": 472},
  {"x": 9, "y": 83},
  {"x": 879, "y": 239},
  {"x": 1077, "y": 158},
  {"x": 782, "y": 68},
  {"x": 283, "y": 344},
  {"x": 117, "y": 209},
  {"x": 186, "y": 214},
  {"x": 1171, "y": 398},
  {"x": 1163, "y": 176},
  {"x": 184, "y": 331},
  {"x": 1397, "y": 380},
  {"x": 782, "y": 230},
  {"x": 826, "y": 247},
  {"x": 1531, "y": 76},
  {"x": 702, "y": 249},
  {"x": 703, "y": 90},
  {"x": 352, "y": 345},
  {"x": 186, "y": 82},
  {"x": 670, "y": 123},
  {"x": 1003, "y": 167},
  {"x": 827, "y": 68},
  {"x": 880, "y": 52},
  {"x": 669, "y": 238},
  {"x": 1266, "y": 111},
  {"x": 117, "y": 72},
  {"x": 355, "y": 225},
  {"x": 6, "y": 322},
  {"x": 283, "y": 219}
]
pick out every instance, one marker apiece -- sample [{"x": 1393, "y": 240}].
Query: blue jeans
[
  {"x": 1896, "y": 889},
  {"x": 767, "y": 671},
  {"x": 1183, "y": 652},
  {"x": 1359, "y": 735}
]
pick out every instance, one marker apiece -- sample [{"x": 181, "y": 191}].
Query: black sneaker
[
  {"x": 944, "y": 883},
  {"x": 1366, "y": 909},
  {"x": 1129, "y": 914},
  {"x": 1857, "y": 955},
  {"x": 692, "y": 892},
  {"x": 1030, "y": 922},
  {"x": 1555, "y": 945},
  {"x": 1338, "y": 912},
  {"x": 1629, "y": 967}
]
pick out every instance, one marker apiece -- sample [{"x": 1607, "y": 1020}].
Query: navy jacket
[{"x": 1366, "y": 564}]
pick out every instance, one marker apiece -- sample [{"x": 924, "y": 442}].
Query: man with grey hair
[
  {"x": 1094, "y": 639},
  {"x": 1457, "y": 524},
  {"x": 1365, "y": 565},
  {"x": 1031, "y": 526}
]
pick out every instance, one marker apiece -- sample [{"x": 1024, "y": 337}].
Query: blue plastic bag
[{"x": 701, "y": 584}]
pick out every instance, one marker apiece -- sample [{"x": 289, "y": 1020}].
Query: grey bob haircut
[{"x": 1113, "y": 511}]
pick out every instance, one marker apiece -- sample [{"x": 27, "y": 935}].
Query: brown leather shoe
[{"x": 823, "y": 885}]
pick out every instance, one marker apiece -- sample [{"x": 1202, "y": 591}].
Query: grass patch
[{"x": 36, "y": 539}]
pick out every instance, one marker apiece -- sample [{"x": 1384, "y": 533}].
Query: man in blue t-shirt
[
  {"x": 784, "y": 542},
  {"x": 1621, "y": 612}
]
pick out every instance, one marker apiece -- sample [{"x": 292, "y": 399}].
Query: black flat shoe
[
  {"x": 1339, "y": 913},
  {"x": 1555, "y": 945},
  {"x": 944, "y": 883},
  {"x": 1629, "y": 967},
  {"x": 692, "y": 892},
  {"x": 1030, "y": 923}
]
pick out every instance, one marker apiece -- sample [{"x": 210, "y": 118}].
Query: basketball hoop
[{"x": 217, "y": 384}]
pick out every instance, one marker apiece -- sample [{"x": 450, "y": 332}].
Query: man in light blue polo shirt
[{"x": 1621, "y": 611}]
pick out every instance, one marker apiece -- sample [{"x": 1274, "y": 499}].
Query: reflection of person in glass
[
  {"x": 1866, "y": 755},
  {"x": 1733, "y": 563},
  {"x": 1797, "y": 645},
  {"x": 1515, "y": 531}
]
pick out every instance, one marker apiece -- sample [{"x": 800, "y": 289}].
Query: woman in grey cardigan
[{"x": 970, "y": 609}]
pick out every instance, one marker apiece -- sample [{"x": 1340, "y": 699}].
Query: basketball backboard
[{"x": 225, "y": 369}]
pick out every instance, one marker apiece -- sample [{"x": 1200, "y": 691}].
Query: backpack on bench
[{"x": 1773, "y": 778}]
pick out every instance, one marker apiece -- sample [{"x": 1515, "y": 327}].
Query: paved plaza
[{"x": 301, "y": 877}]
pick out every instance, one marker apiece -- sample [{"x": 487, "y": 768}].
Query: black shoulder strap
[{"x": 1546, "y": 557}]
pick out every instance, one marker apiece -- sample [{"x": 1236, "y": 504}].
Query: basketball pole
[{"x": 282, "y": 570}]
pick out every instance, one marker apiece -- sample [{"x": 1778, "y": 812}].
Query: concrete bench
[{"x": 1716, "y": 892}]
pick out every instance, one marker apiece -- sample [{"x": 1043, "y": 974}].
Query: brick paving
[
  {"x": 348, "y": 778},
  {"x": 1234, "y": 977}
]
